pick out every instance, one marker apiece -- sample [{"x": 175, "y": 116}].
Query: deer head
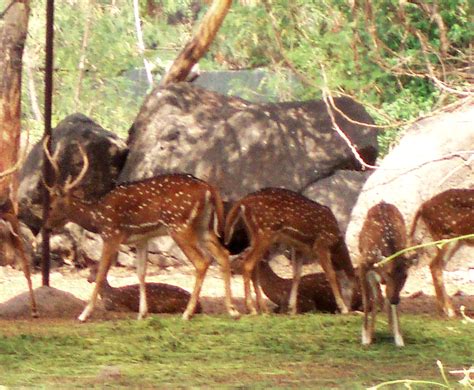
[{"x": 60, "y": 195}]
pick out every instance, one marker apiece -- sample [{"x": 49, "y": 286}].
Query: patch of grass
[{"x": 307, "y": 351}]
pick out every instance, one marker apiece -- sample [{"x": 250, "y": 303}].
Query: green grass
[{"x": 308, "y": 351}]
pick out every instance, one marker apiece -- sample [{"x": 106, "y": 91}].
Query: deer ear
[{"x": 78, "y": 193}]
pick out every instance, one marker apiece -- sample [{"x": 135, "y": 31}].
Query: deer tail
[
  {"x": 414, "y": 226},
  {"x": 218, "y": 211},
  {"x": 232, "y": 218}
]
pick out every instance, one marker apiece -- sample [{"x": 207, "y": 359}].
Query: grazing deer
[
  {"x": 383, "y": 234},
  {"x": 160, "y": 297},
  {"x": 178, "y": 205},
  {"x": 276, "y": 215},
  {"x": 447, "y": 215},
  {"x": 10, "y": 219},
  {"x": 314, "y": 292}
]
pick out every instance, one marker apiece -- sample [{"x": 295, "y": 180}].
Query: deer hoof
[
  {"x": 399, "y": 341},
  {"x": 186, "y": 316},
  {"x": 366, "y": 338},
  {"x": 234, "y": 313}
]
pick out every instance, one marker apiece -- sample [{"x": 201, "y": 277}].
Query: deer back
[
  {"x": 383, "y": 232},
  {"x": 161, "y": 297},
  {"x": 287, "y": 216},
  {"x": 447, "y": 215}
]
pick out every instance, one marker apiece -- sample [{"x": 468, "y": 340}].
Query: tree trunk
[
  {"x": 13, "y": 29},
  {"x": 199, "y": 44}
]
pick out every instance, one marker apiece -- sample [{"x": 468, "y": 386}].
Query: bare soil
[{"x": 71, "y": 289}]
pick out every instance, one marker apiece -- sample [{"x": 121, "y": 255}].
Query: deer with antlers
[
  {"x": 383, "y": 234},
  {"x": 277, "y": 215},
  {"x": 447, "y": 215},
  {"x": 178, "y": 205}
]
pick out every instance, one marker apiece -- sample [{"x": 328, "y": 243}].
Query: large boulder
[
  {"x": 241, "y": 146},
  {"x": 106, "y": 153},
  {"x": 339, "y": 192},
  {"x": 435, "y": 155}
]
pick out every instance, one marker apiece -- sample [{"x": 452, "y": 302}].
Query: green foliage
[
  {"x": 307, "y": 351},
  {"x": 385, "y": 70},
  {"x": 107, "y": 91}
]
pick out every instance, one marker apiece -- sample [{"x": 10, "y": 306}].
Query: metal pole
[{"x": 48, "y": 102}]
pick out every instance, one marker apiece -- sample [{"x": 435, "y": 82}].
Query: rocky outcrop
[
  {"x": 240, "y": 146},
  {"x": 434, "y": 155},
  {"x": 106, "y": 153}
]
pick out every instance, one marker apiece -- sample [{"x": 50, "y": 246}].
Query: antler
[
  {"x": 53, "y": 160},
  {"x": 70, "y": 184}
]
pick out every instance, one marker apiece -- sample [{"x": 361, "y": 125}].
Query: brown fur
[
  {"x": 276, "y": 215},
  {"x": 383, "y": 234},
  {"x": 161, "y": 297},
  {"x": 178, "y": 205},
  {"x": 8, "y": 215},
  {"x": 446, "y": 215},
  {"x": 314, "y": 291}
]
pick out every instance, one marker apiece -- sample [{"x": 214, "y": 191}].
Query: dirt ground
[{"x": 417, "y": 296}]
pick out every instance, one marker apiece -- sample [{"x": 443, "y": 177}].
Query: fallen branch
[{"x": 439, "y": 244}]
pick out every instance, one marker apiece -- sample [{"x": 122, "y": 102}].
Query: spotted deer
[
  {"x": 447, "y": 215},
  {"x": 178, "y": 205},
  {"x": 314, "y": 292},
  {"x": 160, "y": 297},
  {"x": 383, "y": 234},
  {"x": 276, "y": 215},
  {"x": 9, "y": 219}
]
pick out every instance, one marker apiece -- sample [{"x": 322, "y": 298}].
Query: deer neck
[
  {"x": 89, "y": 215},
  {"x": 269, "y": 280}
]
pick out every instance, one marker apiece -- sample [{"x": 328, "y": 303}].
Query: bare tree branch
[
  {"x": 199, "y": 44},
  {"x": 82, "y": 59},
  {"x": 140, "y": 43}
]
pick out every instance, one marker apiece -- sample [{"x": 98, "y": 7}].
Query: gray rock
[
  {"x": 241, "y": 146},
  {"x": 106, "y": 153},
  {"x": 432, "y": 157},
  {"x": 339, "y": 192}
]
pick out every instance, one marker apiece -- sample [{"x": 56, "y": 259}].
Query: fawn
[{"x": 383, "y": 234}]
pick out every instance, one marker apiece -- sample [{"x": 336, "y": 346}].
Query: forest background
[{"x": 401, "y": 59}]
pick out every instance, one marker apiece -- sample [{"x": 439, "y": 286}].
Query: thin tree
[
  {"x": 13, "y": 30},
  {"x": 199, "y": 44}
]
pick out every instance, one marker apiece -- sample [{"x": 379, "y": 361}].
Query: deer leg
[
  {"x": 253, "y": 256},
  {"x": 373, "y": 283},
  {"x": 325, "y": 261},
  {"x": 394, "y": 322},
  {"x": 297, "y": 262},
  {"x": 109, "y": 252},
  {"x": 142, "y": 257},
  {"x": 26, "y": 271},
  {"x": 366, "y": 301},
  {"x": 436, "y": 266},
  {"x": 222, "y": 256},
  {"x": 188, "y": 243},
  {"x": 261, "y": 305}
]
